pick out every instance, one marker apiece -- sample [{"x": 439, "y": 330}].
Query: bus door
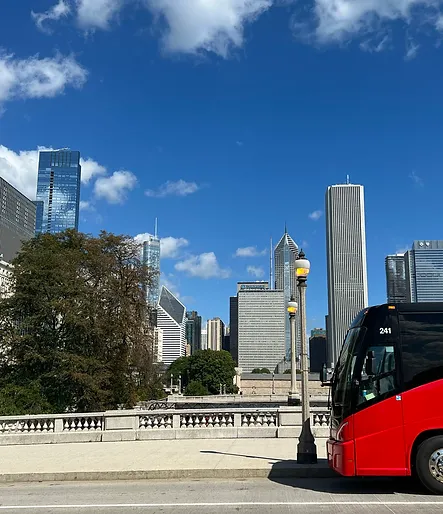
[{"x": 378, "y": 418}]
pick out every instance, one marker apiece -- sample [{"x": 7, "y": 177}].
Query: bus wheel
[{"x": 429, "y": 464}]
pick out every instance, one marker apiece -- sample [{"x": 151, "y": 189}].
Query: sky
[{"x": 226, "y": 119}]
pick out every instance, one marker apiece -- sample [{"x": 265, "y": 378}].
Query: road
[{"x": 328, "y": 496}]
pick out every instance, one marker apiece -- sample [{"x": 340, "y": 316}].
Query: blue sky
[{"x": 225, "y": 119}]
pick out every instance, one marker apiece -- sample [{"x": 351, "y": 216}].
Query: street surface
[{"x": 260, "y": 496}]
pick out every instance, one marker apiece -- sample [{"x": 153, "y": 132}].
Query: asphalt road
[{"x": 329, "y": 496}]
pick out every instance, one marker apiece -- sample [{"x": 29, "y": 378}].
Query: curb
[{"x": 170, "y": 474}]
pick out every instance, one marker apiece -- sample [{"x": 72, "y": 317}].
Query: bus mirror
[
  {"x": 323, "y": 374},
  {"x": 370, "y": 367}
]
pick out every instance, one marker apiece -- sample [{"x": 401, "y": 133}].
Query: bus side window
[{"x": 383, "y": 381}]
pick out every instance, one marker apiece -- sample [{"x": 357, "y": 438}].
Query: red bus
[{"x": 387, "y": 395}]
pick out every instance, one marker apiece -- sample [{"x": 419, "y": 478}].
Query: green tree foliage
[
  {"x": 208, "y": 367},
  {"x": 76, "y": 334},
  {"x": 195, "y": 388},
  {"x": 263, "y": 371}
]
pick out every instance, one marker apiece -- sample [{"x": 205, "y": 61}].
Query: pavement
[
  {"x": 258, "y": 496},
  {"x": 174, "y": 459}
]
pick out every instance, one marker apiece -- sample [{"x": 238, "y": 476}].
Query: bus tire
[{"x": 429, "y": 464}]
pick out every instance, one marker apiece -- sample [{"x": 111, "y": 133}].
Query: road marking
[{"x": 224, "y": 504}]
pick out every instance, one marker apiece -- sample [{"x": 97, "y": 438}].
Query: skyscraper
[
  {"x": 397, "y": 285},
  {"x": 204, "y": 339},
  {"x": 233, "y": 325},
  {"x": 17, "y": 220},
  {"x": 151, "y": 258},
  {"x": 424, "y": 265},
  {"x": 194, "y": 331},
  {"x": 58, "y": 191},
  {"x": 215, "y": 333},
  {"x": 346, "y": 261},
  {"x": 317, "y": 350},
  {"x": 285, "y": 255},
  {"x": 171, "y": 319},
  {"x": 261, "y": 328}
]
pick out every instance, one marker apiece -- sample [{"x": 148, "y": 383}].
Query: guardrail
[{"x": 131, "y": 425}]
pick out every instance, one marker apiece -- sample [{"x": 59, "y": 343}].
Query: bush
[{"x": 196, "y": 388}]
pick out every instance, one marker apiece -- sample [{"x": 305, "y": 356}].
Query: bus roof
[{"x": 414, "y": 307}]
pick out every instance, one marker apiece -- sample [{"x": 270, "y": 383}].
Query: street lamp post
[
  {"x": 306, "y": 449},
  {"x": 293, "y": 398}
]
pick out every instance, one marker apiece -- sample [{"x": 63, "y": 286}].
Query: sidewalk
[{"x": 174, "y": 459}]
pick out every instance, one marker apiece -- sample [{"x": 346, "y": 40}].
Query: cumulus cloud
[
  {"x": 37, "y": 77},
  {"x": 97, "y": 14},
  {"x": 418, "y": 181},
  {"x": 316, "y": 215},
  {"x": 209, "y": 25},
  {"x": 90, "y": 169},
  {"x": 256, "y": 271},
  {"x": 169, "y": 188},
  {"x": 249, "y": 251},
  {"x": 204, "y": 266},
  {"x": 170, "y": 247},
  {"x": 114, "y": 189},
  {"x": 86, "y": 206},
  {"x": 55, "y": 13}
]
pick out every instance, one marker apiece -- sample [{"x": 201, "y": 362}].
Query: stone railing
[{"x": 131, "y": 425}]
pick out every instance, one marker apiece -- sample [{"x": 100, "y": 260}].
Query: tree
[
  {"x": 180, "y": 367},
  {"x": 77, "y": 329},
  {"x": 196, "y": 389},
  {"x": 263, "y": 371}
]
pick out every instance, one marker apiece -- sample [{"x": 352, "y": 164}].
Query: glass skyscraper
[
  {"x": 151, "y": 258},
  {"x": 58, "y": 191},
  {"x": 425, "y": 271},
  {"x": 285, "y": 255},
  {"x": 397, "y": 286}
]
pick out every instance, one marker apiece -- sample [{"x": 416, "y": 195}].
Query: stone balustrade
[{"x": 131, "y": 425}]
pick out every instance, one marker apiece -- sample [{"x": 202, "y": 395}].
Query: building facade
[
  {"x": 194, "y": 331},
  {"x": 157, "y": 350},
  {"x": 215, "y": 329},
  {"x": 58, "y": 191},
  {"x": 171, "y": 319},
  {"x": 424, "y": 268},
  {"x": 204, "y": 339},
  {"x": 346, "y": 261},
  {"x": 397, "y": 283},
  {"x": 233, "y": 326},
  {"x": 261, "y": 329},
  {"x": 317, "y": 351},
  {"x": 6, "y": 273},
  {"x": 17, "y": 220},
  {"x": 151, "y": 259},
  {"x": 285, "y": 255}
]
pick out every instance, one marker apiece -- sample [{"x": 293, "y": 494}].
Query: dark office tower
[
  {"x": 397, "y": 285},
  {"x": 17, "y": 220},
  {"x": 233, "y": 327},
  {"x": 194, "y": 331},
  {"x": 58, "y": 191},
  {"x": 317, "y": 351}
]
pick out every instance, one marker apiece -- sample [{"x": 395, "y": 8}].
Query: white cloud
[
  {"x": 114, "y": 189},
  {"x": 418, "y": 181},
  {"x": 59, "y": 10},
  {"x": 204, "y": 266},
  {"x": 91, "y": 168},
  {"x": 210, "y": 25},
  {"x": 86, "y": 206},
  {"x": 411, "y": 50},
  {"x": 338, "y": 20},
  {"x": 249, "y": 251},
  {"x": 316, "y": 215},
  {"x": 169, "y": 282},
  {"x": 20, "y": 170},
  {"x": 256, "y": 271},
  {"x": 38, "y": 78},
  {"x": 169, "y": 246},
  {"x": 97, "y": 14},
  {"x": 179, "y": 188}
]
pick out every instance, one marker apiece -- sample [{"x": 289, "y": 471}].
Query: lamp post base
[
  {"x": 294, "y": 399},
  {"x": 306, "y": 449}
]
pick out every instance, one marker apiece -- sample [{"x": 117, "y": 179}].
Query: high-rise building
[
  {"x": 285, "y": 255},
  {"x": 6, "y": 272},
  {"x": 157, "y": 350},
  {"x": 397, "y": 284},
  {"x": 257, "y": 285},
  {"x": 171, "y": 319},
  {"x": 317, "y": 350},
  {"x": 151, "y": 258},
  {"x": 17, "y": 220},
  {"x": 346, "y": 261},
  {"x": 215, "y": 333},
  {"x": 424, "y": 268},
  {"x": 193, "y": 331},
  {"x": 58, "y": 191},
  {"x": 233, "y": 326},
  {"x": 261, "y": 329},
  {"x": 204, "y": 339}
]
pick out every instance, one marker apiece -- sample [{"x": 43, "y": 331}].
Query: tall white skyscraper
[
  {"x": 215, "y": 329},
  {"x": 172, "y": 320},
  {"x": 346, "y": 261}
]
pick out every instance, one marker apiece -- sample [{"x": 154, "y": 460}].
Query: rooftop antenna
[
  {"x": 347, "y": 179},
  {"x": 286, "y": 228},
  {"x": 271, "y": 286},
  {"x": 156, "y": 227}
]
